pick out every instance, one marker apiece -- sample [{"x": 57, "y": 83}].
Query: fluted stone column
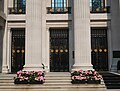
[
  {"x": 82, "y": 42},
  {"x": 4, "y": 62},
  {"x": 35, "y": 26}
]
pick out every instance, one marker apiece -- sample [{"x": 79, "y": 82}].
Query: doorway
[
  {"x": 17, "y": 49},
  {"x": 99, "y": 49},
  {"x": 59, "y": 50}
]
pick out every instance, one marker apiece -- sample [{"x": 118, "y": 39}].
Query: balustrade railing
[
  {"x": 17, "y": 10},
  {"x": 59, "y": 10}
]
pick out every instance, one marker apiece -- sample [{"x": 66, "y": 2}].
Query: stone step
[
  {"x": 1, "y": 78},
  {"x": 61, "y": 89},
  {"x": 112, "y": 81},
  {"x": 6, "y": 81},
  {"x": 113, "y": 87},
  {"x": 58, "y": 74},
  {"x": 55, "y": 81},
  {"x": 56, "y": 78},
  {"x": 40, "y": 86},
  {"x": 7, "y": 84},
  {"x": 57, "y": 84},
  {"x": 58, "y": 81},
  {"x": 7, "y": 75},
  {"x": 46, "y": 84}
]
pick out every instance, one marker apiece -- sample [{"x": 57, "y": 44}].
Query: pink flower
[
  {"x": 95, "y": 78},
  {"x": 95, "y": 73},
  {"x": 86, "y": 72},
  {"x": 19, "y": 72},
  {"x": 73, "y": 77},
  {"x": 90, "y": 72},
  {"x": 40, "y": 72},
  {"x": 26, "y": 78},
  {"x": 81, "y": 71},
  {"x": 80, "y": 74},
  {"x": 36, "y": 79},
  {"x": 41, "y": 78},
  {"x": 77, "y": 77}
]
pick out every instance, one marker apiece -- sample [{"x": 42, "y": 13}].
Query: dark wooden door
[
  {"x": 17, "y": 50},
  {"x": 99, "y": 49},
  {"x": 59, "y": 50}
]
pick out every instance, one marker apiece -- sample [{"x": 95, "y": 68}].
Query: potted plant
[
  {"x": 93, "y": 77},
  {"x": 89, "y": 77},
  {"x": 78, "y": 77},
  {"x": 29, "y": 77}
]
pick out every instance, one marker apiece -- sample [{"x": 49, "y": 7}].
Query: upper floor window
[
  {"x": 59, "y": 3},
  {"x": 98, "y": 6},
  {"x": 58, "y": 7},
  {"x": 19, "y": 7}
]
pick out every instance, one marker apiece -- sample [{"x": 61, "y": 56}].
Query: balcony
[
  {"x": 100, "y": 10},
  {"x": 17, "y": 10},
  {"x": 64, "y": 10}
]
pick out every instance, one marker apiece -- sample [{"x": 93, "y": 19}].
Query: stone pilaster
[
  {"x": 35, "y": 25},
  {"x": 9, "y": 48},
  {"x": 44, "y": 53},
  {"x": 4, "y": 62},
  {"x": 82, "y": 42}
]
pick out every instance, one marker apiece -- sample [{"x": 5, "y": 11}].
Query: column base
[
  {"x": 5, "y": 69},
  {"x": 82, "y": 67},
  {"x": 33, "y": 68},
  {"x": 46, "y": 69}
]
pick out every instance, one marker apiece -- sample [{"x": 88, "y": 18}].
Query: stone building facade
[
  {"x": 2, "y": 26},
  {"x": 61, "y": 35}
]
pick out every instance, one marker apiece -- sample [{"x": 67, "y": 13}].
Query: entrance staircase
[
  {"x": 112, "y": 81},
  {"x": 56, "y": 81}
]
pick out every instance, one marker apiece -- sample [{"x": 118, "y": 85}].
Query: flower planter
[
  {"x": 36, "y": 82},
  {"x": 20, "y": 82},
  {"x": 93, "y": 82},
  {"x": 82, "y": 77},
  {"x": 29, "y": 77}
]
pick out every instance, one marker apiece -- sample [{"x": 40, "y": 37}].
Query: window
[
  {"x": 59, "y": 5},
  {"x": 97, "y": 5},
  {"x": 20, "y": 5}
]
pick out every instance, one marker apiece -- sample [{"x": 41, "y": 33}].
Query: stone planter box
[
  {"x": 36, "y": 82},
  {"x": 20, "y": 82},
  {"x": 26, "y": 82},
  {"x": 78, "y": 82},
  {"x": 29, "y": 77},
  {"x": 93, "y": 82}
]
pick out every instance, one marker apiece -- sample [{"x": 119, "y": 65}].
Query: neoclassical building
[{"x": 61, "y": 35}]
